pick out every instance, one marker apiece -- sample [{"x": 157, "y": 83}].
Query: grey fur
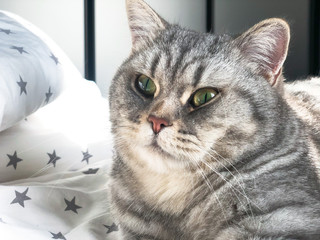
[{"x": 243, "y": 166}]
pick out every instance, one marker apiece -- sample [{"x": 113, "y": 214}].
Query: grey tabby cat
[{"x": 210, "y": 143}]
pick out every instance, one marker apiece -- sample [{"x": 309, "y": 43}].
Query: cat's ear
[
  {"x": 144, "y": 22},
  {"x": 266, "y": 45}
]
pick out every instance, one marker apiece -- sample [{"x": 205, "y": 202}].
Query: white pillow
[{"x": 32, "y": 69}]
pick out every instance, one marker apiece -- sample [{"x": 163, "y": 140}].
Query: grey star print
[
  {"x": 91, "y": 171},
  {"x": 54, "y": 58},
  {"x": 71, "y": 205},
  {"x": 22, "y": 86},
  {"x": 6, "y": 31},
  {"x": 53, "y": 158},
  {"x": 58, "y": 235},
  {"x": 21, "y": 197},
  {"x": 13, "y": 160},
  {"x": 86, "y": 156},
  {"x": 112, "y": 228},
  {"x": 19, "y": 49},
  {"x": 48, "y": 95}
]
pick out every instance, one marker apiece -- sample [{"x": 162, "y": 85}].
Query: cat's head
[{"x": 184, "y": 98}]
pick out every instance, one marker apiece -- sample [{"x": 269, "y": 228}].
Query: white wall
[
  {"x": 62, "y": 20},
  {"x": 113, "y": 40}
]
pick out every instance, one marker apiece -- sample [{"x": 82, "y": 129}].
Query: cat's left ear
[
  {"x": 145, "y": 24},
  {"x": 266, "y": 45}
]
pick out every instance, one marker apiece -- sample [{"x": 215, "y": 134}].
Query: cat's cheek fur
[{"x": 187, "y": 149}]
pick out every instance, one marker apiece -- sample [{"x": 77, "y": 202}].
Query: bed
[{"x": 55, "y": 142}]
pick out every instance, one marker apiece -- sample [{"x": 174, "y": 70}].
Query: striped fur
[{"x": 243, "y": 166}]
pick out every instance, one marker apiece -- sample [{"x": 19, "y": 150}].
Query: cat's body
[
  {"x": 304, "y": 98},
  {"x": 241, "y": 165}
]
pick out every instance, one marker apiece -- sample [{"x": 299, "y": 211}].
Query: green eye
[
  {"x": 146, "y": 86},
  {"x": 203, "y": 96}
]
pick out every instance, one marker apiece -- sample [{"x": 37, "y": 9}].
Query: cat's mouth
[{"x": 156, "y": 147}]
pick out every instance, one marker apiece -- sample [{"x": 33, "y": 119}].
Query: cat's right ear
[{"x": 145, "y": 24}]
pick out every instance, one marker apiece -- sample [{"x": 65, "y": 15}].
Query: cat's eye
[
  {"x": 146, "y": 85},
  {"x": 202, "y": 96}
]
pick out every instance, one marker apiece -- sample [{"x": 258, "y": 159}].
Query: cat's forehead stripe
[
  {"x": 183, "y": 51},
  {"x": 154, "y": 64},
  {"x": 188, "y": 64},
  {"x": 198, "y": 75},
  {"x": 169, "y": 58}
]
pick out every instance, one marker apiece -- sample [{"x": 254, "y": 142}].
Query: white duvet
[{"x": 53, "y": 171}]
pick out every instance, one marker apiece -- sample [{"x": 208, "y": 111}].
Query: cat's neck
[{"x": 170, "y": 192}]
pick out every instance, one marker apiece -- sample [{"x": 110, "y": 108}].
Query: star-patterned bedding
[{"x": 55, "y": 144}]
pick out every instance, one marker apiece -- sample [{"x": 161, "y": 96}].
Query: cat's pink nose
[{"x": 157, "y": 123}]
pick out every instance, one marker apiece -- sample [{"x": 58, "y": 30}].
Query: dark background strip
[
  {"x": 89, "y": 58},
  {"x": 209, "y": 6},
  {"x": 314, "y": 36}
]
